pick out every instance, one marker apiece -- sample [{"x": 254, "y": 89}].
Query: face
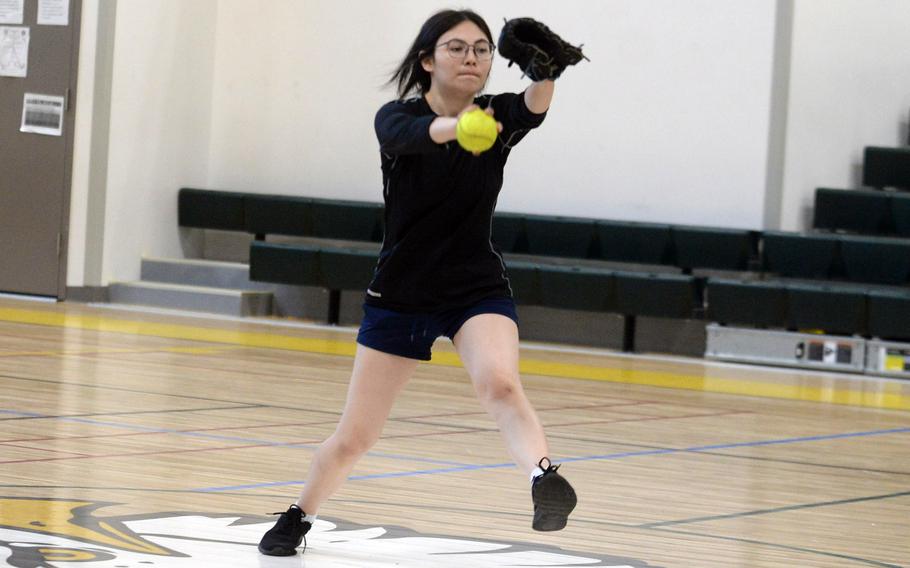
[{"x": 465, "y": 74}]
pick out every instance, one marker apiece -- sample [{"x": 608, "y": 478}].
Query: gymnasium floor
[{"x": 150, "y": 439}]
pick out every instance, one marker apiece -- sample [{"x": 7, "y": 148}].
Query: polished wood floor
[{"x": 152, "y": 439}]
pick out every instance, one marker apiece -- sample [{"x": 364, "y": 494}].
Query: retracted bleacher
[
  {"x": 866, "y": 212},
  {"x": 886, "y": 167},
  {"x": 862, "y": 211},
  {"x": 847, "y": 285}
]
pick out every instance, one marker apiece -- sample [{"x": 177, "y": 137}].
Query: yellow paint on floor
[
  {"x": 62, "y": 518},
  {"x": 114, "y": 351},
  {"x": 882, "y": 394}
]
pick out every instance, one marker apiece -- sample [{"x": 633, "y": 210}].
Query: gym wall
[{"x": 692, "y": 111}]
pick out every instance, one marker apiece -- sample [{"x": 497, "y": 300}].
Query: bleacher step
[
  {"x": 226, "y": 301},
  {"x": 200, "y": 272}
]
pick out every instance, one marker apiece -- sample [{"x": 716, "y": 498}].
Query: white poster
[
  {"x": 53, "y": 12},
  {"x": 11, "y": 11},
  {"x": 13, "y": 51},
  {"x": 42, "y": 114}
]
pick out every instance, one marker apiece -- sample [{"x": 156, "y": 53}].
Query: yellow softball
[{"x": 476, "y": 131}]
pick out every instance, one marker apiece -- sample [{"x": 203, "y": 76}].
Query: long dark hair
[{"x": 410, "y": 75}]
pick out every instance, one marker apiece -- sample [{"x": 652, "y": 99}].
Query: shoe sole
[
  {"x": 277, "y": 551},
  {"x": 555, "y": 500}
]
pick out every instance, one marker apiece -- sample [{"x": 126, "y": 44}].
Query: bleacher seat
[
  {"x": 708, "y": 247},
  {"x": 753, "y": 303},
  {"x": 644, "y": 243},
  {"x": 832, "y": 309},
  {"x": 333, "y": 268},
  {"x": 577, "y": 288},
  {"x": 284, "y": 264},
  {"x": 509, "y": 232},
  {"x": 900, "y": 213},
  {"x": 861, "y": 211},
  {"x": 346, "y": 269},
  {"x": 793, "y": 255},
  {"x": 350, "y": 220},
  {"x": 886, "y": 167},
  {"x": 322, "y": 218},
  {"x": 208, "y": 209},
  {"x": 524, "y": 279},
  {"x": 877, "y": 260},
  {"x": 889, "y": 314},
  {"x": 560, "y": 236},
  {"x": 279, "y": 215},
  {"x": 657, "y": 295}
]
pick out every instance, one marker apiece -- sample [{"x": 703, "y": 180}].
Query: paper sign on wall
[
  {"x": 42, "y": 114},
  {"x": 11, "y": 11},
  {"x": 14, "y": 51},
  {"x": 53, "y": 12}
]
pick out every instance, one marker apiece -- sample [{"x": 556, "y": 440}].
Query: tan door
[{"x": 35, "y": 169}]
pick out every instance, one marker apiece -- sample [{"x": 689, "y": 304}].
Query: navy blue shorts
[{"x": 412, "y": 335}]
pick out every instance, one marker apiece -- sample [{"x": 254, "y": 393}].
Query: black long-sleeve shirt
[{"x": 439, "y": 200}]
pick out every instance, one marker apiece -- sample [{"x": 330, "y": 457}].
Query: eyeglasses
[{"x": 483, "y": 50}]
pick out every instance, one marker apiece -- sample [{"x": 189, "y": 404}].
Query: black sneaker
[
  {"x": 287, "y": 534},
  {"x": 553, "y": 499}
]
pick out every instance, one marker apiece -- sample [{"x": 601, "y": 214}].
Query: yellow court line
[
  {"x": 114, "y": 351},
  {"x": 890, "y": 395}
]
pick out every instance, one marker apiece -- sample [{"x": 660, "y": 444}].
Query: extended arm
[{"x": 539, "y": 95}]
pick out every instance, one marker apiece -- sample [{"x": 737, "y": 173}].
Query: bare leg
[
  {"x": 488, "y": 347},
  {"x": 375, "y": 383}
]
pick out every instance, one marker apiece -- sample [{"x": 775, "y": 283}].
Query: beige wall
[
  {"x": 157, "y": 122},
  {"x": 160, "y": 123},
  {"x": 672, "y": 120},
  {"x": 849, "y": 88},
  {"x": 83, "y": 156},
  {"x": 667, "y": 122}
]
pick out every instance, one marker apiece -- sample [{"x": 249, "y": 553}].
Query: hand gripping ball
[{"x": 476, "y": 131}]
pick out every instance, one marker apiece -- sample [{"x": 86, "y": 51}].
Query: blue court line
[
  {"x": 217, "y": 437},
  {"x": 360, "y": 477},
  {"x": 696, "y": 449},
  {"x": 20, "y": 413},
  {"x": 787, "y": 508},
  {"x": 692, "y": 449},
  {"x": 456, "y": 466}
]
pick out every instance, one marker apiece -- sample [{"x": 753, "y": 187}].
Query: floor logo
[{"x": 53, "y": 533}]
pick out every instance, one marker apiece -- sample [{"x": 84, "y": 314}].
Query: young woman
[{"x": 438, "y": 271}]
